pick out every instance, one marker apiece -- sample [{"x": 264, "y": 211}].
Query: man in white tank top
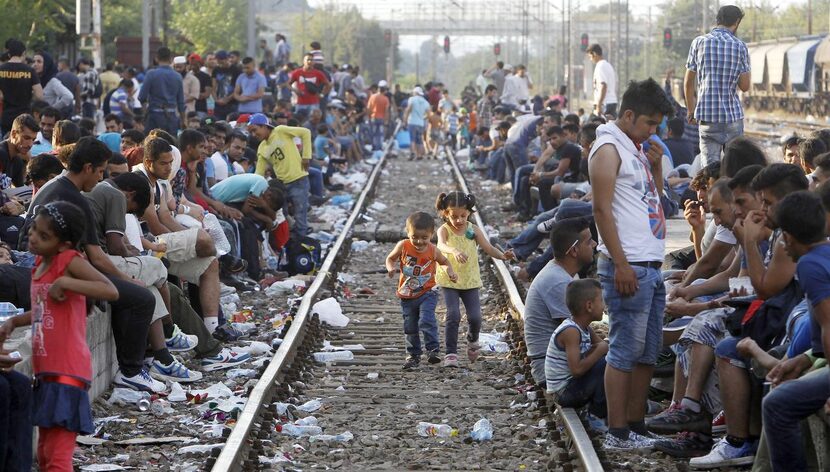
[{"x": 626, "y": 175}]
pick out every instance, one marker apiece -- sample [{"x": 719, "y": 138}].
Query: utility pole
[
  {"x": 97, "y": 49},
  {"x": 145, "y": 33},
  {"x": 809, "y": 16},
  {"x": 618, "y": 49},
  {"x": 627, "y": 45},
  {"x": 417, "y": 68},
  {"x": 610, "y": 29},
  {"x": 570, "y": 51},
  {"x": 251, "y": 28},
  {"x": 564, "y": 42},
  {"x": 648, "y": 44}
]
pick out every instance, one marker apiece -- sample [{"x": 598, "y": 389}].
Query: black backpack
[
  {"x": 301, "y": 256},
  {"x": 105, "y": 106},
  {"x": 766, "y": 323}
]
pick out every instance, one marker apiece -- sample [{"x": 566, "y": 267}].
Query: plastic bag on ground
[
  {"x": 332, "y": 356},
  {"x": 345, "y": 436},
  {"x": 284, "y": 287},
  {"x": 126, "y": 396},
  {"x": 217, "y": 390},
  {"x": 310, "y": 406},
  {"x": 330, "y": 313},
  {"x": 482, "y": 430}
]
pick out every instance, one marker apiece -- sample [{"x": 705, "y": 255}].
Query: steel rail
[{"x": 231, "y": 457}]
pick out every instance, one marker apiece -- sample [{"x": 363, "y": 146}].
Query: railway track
[{"x": 368, "y": 403}]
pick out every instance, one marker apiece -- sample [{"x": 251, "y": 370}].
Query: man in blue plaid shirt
[{"x": 718, "y": 64}]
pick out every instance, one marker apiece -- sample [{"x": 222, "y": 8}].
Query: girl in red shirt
[{"x": 62, "y": 279}]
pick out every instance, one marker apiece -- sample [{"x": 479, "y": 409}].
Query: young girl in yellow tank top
[{"x": 459, "y": 239}]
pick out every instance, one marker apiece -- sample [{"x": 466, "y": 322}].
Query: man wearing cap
[
  {"x": 189, "y": 82},
  {"x": 309, "y": 83},
  {"x": 162, "y": 94},
  {"x": 278, "y": 149},
  {"x": 205, "y": 84},
  {"x": 250, "y": 88},
  {"x": 378, "y": 107},
  {"x": 414, "y": 118},
  {"x": 19, "y": 83},
  {"x": 224, "y": 81}
]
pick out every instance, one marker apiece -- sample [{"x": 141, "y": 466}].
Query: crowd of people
[{"x": 156, "y": 190}]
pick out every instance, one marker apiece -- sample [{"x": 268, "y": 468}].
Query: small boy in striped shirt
[{"x": 575, "y": 361}]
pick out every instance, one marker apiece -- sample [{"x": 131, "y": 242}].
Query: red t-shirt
[
  {"x": 417, "y": 271},
  {"x": 313, "y": 76},
  {"x": 59, "y": 328}
]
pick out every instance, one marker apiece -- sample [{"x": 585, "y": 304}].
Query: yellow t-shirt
[
  {"x": 469, "y": 274},
  {"x": 281, "y": 152}
]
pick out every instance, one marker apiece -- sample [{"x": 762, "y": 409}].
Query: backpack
[
  {"x": 765, "y": 321},
  {"x": 301, "y": 256},
  {"x": 105, "y": 106},
  {"x": 99, "y": 88}
]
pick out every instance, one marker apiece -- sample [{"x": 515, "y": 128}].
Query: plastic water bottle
[
  {"x": 214, "y": 229},
  {"x": 8, "y": 310},
  {"x": 439, "y": 430},
  {"x": 307, "y": 421},
  {"x": 342, "y": 437},
  {"x": 333, "y": 356},
  {"x": 300, "y": 430},
  {"x": 482, "y": 430},
  {"x": 127, "y": 396}
]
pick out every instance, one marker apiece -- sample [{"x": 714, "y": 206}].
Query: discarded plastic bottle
[
  {"x": 8, "y": 310},
  {"x": 311, "y": 405},
  {"x": 273, "y": 262},
  {"x": 333, "y": 356},
  {"x": 300, "y": 430},
  {"x": 307, "y": 421},
  {"x": 128, "y": 396},
  {"x": 439, "y": 430},
  {"x": 159, "y": 407},
  {"x": 342, "y": 437},
  {"x": 482, "y": 430},
  {"x": 214, "y": 229}
]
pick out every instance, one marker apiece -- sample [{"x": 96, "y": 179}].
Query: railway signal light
[
  {"x": 387, "y": 37},
  {"x": 583, "y": 42},
  {"x": 667, "y": 38},
  {"x": 447, "y": 44},
  {"x": 497, "y": 49}
]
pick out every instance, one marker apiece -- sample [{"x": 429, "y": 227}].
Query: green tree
[
  {"x": 208, "y": 25},
  {"x": 38, "y": 23}
]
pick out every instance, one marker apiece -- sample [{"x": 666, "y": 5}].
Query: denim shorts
[
  {"x": 416, "y": 134},
  {"x": 636, "y": 322}
]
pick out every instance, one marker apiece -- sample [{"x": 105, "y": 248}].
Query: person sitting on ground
[
  {"x": 681, "y": 149},
  {"x": 41, "y": 169},
  {"x": 545, "y": 305},
  {"x": 575, "y": 359}
]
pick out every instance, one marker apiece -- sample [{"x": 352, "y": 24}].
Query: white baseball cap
[
  {"x": 418, "y": 91},
  {"x": 383, "y": 83},
  {"x": 179, "y": 60}
]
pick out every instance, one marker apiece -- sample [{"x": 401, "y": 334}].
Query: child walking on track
[
  {"x": 62, "y": 279},
  {"x": 458, "y": 240},
  {"x": 416, "y": 259}
]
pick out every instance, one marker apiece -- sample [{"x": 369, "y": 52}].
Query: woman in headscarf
[{"x": 54, "y": 92}]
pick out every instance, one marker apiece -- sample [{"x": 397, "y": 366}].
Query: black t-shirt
[
  {"x": 681, "y": 151},
  {"x": 12, "y": 170},
  {"x": 60, "y": 189},
  {"x": 571, "y": 151},
  {"x": 204, "y": 82},
  {"x": 16, "y": 81}
]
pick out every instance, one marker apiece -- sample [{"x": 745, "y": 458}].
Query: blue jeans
[
  {"x": 315, "y": 182},
  {"x": 416, "y": 135},
  {"x": 88, "y": 110},
  {"x": 516, "y": 156},
  {"x": 636, "y": 327},
  {"x": 530, "y": 238},
  {"x": 497, "y": 166},
  {"x": 297, "y": 193},
  {"x": 166, "y": 120},
  {"x": 419, "y": 315},
  {"x": 472, "y": 305},
  {"x": 378, "y": 130},
  {"x": 713, "y": 138},
  {"x": 727, "y": 349},
  {"x": 783, "y": 409},
  {"x": 569, "y": 208},
  {"x": 521, "y": 188},
  {"x": 305, "y": 109},
  {"x": 588, "y": 389},
  {"x": 15, "y": 422}
]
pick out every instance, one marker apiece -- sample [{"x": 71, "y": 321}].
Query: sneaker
[
  {"x": 181, "y": 342},
  {"x": 314, "y": 200},
  {"x": 225, "y": 359},
  {"x": 653, "y": 407},
  {"x": 334, "y": 187},
  {"x": 473, "y": 351},
  {"x": 685, "y": 445},
  {"x": 724, "y": 454},
  {"x": 719, "y": 423},
  {"x": 534, "y": 193},
  {"x": 635, "y": 442},
  {"x": 433, "y": 358},
  {"x": 412, "y": 363},
  {"x": 225, "y": 290},
  {"x": 227, "y": 333},
  {"x": 596, "y": 424},
  {"x": 679, "y": 420},
  {"x": 141, "y": 382},
  {"x": 545, "y": 226},
  {"x": 451, "y": 360},
  {"x": 175, "y": 372}
]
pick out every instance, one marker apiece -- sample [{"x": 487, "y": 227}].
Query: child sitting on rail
[
  {"x": 575, "y": 361},
  {"x": 415, "y": 258},
  {"x": 459, "y": 239},
  {"x": 62, "y": 279}
]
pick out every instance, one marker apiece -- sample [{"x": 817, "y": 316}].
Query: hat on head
[
  {"x": 418, "y": 91},
  {"x": 336, "y": 104},
  {"x": 383, "y": 84},
  {"x": 194, "y": 58},
  {"x": 259, "y": 119},
  {"x": 221, "y": 54},
  {"x": 179, "y": 60},
  {"x": 345, "y": 67},
  {"x": 243, "y": 118}
]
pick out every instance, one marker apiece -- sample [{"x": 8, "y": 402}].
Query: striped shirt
[
  {"x": 718, "y": 58},
  {"x": 557, "y": 372}
]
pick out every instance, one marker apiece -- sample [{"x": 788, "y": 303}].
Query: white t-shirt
[
  {"x": 220, "y": 167},
  {"x": 133, "y": 231},
  {"x": 638, "y": 214},
  {"x": 604, "y": 72},
  {"x": 725, "y": 236}
]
